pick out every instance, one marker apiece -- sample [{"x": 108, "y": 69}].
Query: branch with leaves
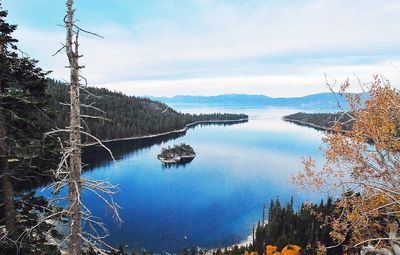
[{"x": 362, "y": 169}]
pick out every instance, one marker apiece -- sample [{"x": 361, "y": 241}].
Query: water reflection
[
  {"x": 95, "y": 156},
  {"x": 179, "y": 165},
  {"x": 214, "y": 200}
]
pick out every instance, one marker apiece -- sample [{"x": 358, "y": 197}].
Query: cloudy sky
[{"x": 208, "y": 47}]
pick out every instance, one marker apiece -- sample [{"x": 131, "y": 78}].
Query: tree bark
[
  {"x": 8, "y": 188},
  {"x": 74, "y": 138}
]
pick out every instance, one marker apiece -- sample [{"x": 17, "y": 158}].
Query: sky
[{"x": 210, "y": 47}]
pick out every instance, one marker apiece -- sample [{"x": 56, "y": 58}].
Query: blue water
[{"x": 214, "y": 200}]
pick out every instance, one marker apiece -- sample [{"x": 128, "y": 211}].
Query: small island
[{"x": 182, "y": 153}]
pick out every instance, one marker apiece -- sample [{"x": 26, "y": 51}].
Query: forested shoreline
[
  {"x": 283, "y": 224},
  {"x": 321, "y": 121},
  {"x": 123, "y": 116}
]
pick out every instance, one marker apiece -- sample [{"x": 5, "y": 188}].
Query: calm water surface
[{"x": 214, "y": 200}]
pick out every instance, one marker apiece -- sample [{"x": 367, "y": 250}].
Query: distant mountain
[{"x": 321, "y": 100}]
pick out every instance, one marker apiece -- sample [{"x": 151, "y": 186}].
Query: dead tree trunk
[
  {"x": 74, "y": 195},
  {"x": 8, "y": 188}
]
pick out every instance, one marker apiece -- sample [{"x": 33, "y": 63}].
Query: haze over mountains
[{"x": 321, "y": 100}]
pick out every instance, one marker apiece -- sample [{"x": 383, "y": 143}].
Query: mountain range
[{"x": 321, "y": 100}]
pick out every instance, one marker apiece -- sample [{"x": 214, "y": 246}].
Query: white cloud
[
  {"x": 271, "y": 85},
  {"x": 226, "y": 48}
]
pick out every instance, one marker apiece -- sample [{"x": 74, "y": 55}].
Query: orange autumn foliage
[
  {"x": 362, "y": 168},
  {"x": 288, "y": 250},
  {"x": 270, "y": 250},
  {"x": 291, "y": 250}
]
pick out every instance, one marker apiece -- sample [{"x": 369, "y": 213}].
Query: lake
[{"x": 214, "y": 200}]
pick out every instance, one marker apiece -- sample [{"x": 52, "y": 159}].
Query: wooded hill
[
  {"x": 321, "y": 121},
  {"x": 128, "y": 116}
]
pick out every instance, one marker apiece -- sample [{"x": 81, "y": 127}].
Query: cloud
[
  {"x": 233, "y": 46},
  {"x": 271, "y": 85}
]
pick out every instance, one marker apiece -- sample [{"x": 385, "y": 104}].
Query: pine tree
[
  {"x": 23, "y": 106},
  {"x": 23, "y": 102},
  {"x": 6, "y": 42}
]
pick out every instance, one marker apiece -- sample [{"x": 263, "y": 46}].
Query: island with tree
[{"x": 182, "y": 153}]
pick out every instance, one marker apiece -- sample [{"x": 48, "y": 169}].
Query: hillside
[
  {"x": 321, "y": 121},
  {"x": 127, "y": 116},
  {"x": 321, "y": 100}
]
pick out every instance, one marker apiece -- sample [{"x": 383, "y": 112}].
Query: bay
[{"x": 214, "y": 200}]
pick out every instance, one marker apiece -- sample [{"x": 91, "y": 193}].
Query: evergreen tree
[
  {"x": 23, "y": 103},
  {"x": 6, "y": 68},
  {"x": 285, "y": 226},
  {"x": 128, "y": 116}
]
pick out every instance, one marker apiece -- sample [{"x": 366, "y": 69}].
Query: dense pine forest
[
  {"x": 321, "y": 121},
  {"x": 304, "y": 227},
  {"x": 123, "y": 116},
  {"x": 283, "y": 225}
]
